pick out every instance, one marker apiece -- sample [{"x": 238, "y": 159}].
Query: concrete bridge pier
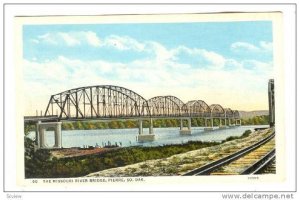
[
  {"x": 220, "y": 125},
  {"x": 186, "y": 130},
  {"x": 238, "y": 122},
  {"x": 40, "y": 134},
  {"x": 145, "y": 137},
  {"x": 206, "y": 128},
  {"x": 230, "y": 123}
]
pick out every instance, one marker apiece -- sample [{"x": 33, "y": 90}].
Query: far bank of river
[{"x": 127, "y": 137}]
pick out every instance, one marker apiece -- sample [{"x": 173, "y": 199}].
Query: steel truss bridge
[
  {"x": 114, "y": 102},
  {"x": 108, "y": 102}
]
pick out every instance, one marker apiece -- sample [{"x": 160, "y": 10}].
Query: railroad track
[
  {"x": 268, "y": 168},
  {"x": 250, "y": 160}
]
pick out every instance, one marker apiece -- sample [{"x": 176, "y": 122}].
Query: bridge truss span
[
  {"x": 101, "y": 101},
  {"x": 217, "y": 110},
  {"x": 114, "y": 102},
  {"x": 108, "y": 102},
  {"x": 229, "y": 113},
  {"x": 236, "y": 114},
  {"x": 169, "y": 106},
  {"x": 198, "y": 108}
]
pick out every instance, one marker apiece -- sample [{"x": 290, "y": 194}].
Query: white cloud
[
  {"x": 34, "y": 41},
  {"x": 244, "y": 46},
  {"x": 69, "y": 39},
  {"x": 47, "y": 38},
  {"x": 123, "y": 43},
  {"x": 263, "y": 46},
  {"x": 216, "y": 60},
  {"x": 267, "y": 46},
  {"x": 212, "y": 77},
  {"x": 92, "y": 39},
  {"x": 152, "y": 77}
]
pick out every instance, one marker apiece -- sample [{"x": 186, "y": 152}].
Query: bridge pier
[
  {"x": 145, "y": 137},
  {"x": 231, "y": 124},
  {"x": 238, "y": 122},
  {"x": 40, "y": 134},
  {"x": 185, "y": 130},
  {"x": 220, "y": 125},
  {"x": 206, "y": 128}
]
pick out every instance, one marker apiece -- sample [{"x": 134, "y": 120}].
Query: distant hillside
[{"x": 250, "y": 114}]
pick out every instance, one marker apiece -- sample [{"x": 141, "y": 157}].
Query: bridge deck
[
  {"x": 52, "y": 118},
  {"x": 55, "y": 118}
]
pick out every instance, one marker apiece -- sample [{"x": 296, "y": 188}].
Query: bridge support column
[
  {"x": 140, "y": 127},
  {"x": 186, "y": 130},
  {"x": 211, "y": 125},
  {"x": 220, "y": 125},
  {"x": 41, "y": 138},
  {"x": 41, "y": 127},
  {"x": 238, "y": 122},
  {"x": 230, "y": 124},
  {"x": 181, "y": 124},
  {"x": 151, "y": 127},
  {"x": 58, "y": 136},
  {"x": 189, "y": 123},
  {"x": 37, "y": 137},
  {"x": 145, "y": 137}
]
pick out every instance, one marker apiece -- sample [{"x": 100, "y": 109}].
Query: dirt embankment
[{"x": 75, "y": 152}]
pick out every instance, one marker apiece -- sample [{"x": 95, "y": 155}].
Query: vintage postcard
[{"x": 171, "y": 101}]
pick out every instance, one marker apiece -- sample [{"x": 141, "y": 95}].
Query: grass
[{"x": 40, "y": 165}]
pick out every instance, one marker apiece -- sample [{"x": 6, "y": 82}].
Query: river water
[{"x": 127, "y": 137}]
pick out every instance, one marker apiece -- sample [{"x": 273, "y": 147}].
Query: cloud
[
  {"x": 92, "y": 39},
  {"x": 123, "y": 43},
  {"x": 188, "y": 73},
  {"x": 47, "y": 38},
  {"x": 244, "y": 46},
  {"x": 89, "y": 38},
  {"x": 263, "y": 46},
  {"x": 193, "y": 57},
  {"x": 68, "y": 38},
  {"x": 266, "y": 46},
  {"x": 151, "y": 77}
]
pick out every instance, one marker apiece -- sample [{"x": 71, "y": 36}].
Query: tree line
[
  {"x": 157, "y": 123},
  {"x": 257, "y": 120}
]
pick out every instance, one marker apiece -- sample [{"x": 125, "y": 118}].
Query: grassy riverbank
[{"x": 41, "y": 164}]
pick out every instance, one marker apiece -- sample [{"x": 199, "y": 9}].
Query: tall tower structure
[{"x": 271, "y": 102}]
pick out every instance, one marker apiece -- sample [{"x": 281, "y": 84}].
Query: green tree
[
  {"x": 130, "y": 124},
  {"x": 113, "y": 125}
]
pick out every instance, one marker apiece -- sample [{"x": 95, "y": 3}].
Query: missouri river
[{"x": 127, "y": 137}]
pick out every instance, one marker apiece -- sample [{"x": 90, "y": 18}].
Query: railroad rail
[
  {"x": 261, "y": 148},
  {"x": 269, "y": 167},
  {"x": 261, "y": 164}
]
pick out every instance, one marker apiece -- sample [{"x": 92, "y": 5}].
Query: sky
[{"x": 226, "y": 63}]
